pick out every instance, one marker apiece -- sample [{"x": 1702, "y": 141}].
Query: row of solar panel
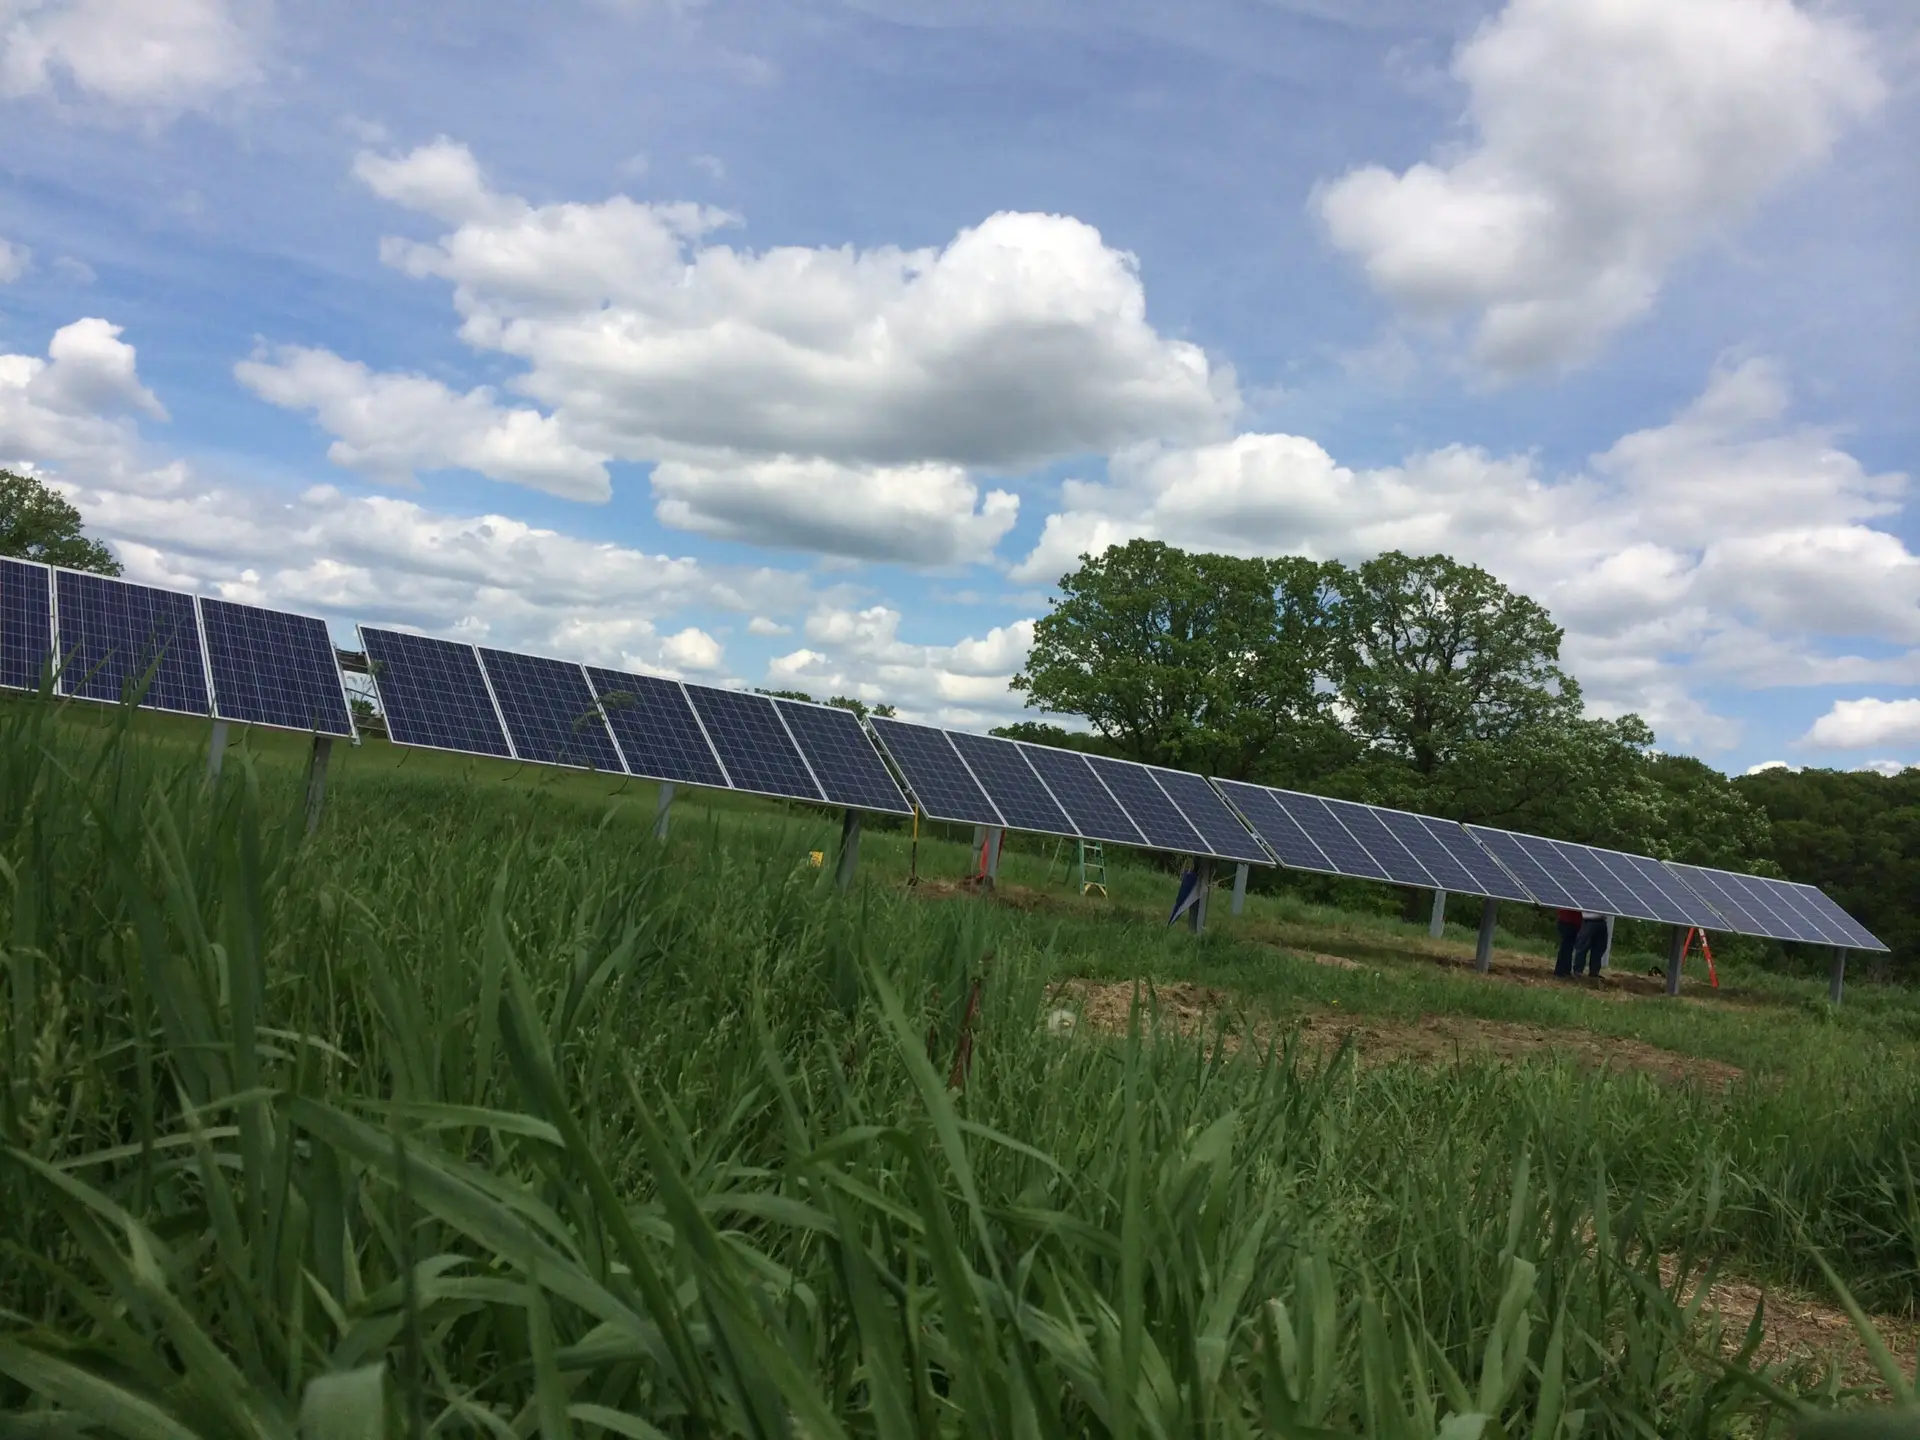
[
  {"x": 177, "y": 651},
  {"x": 1370, "y": 842},
  {"x": 481, "y": 701},
  {"x": 247, "y": 664}
]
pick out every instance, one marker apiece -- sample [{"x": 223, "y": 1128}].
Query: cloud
[
  {"x": 1865, "y": 724},
  {"x": 78, "y": 407},
  {"x": 14, "y": 261},
  {"x": 1609, "y": 138},
  {"x": 1695, "y": 549},
  {"x": 693, "y": 649},
  {"x": 860, "y": 653},
  {"x": 154, "y": 56},
  {"x": 888, "y": 376},
  {"x": 388, "y": 426}
]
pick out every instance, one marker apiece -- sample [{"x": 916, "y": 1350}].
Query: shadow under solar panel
[
  {"x": 434, "y": 694},
  {"x": 274, "y": 668},
  {"x": 842, "y": 757},
  {"x": 116, "y": 638},
  {"x": 942, "y": 785},
  {"x": 550, "y": 711},
  {"x": 655, "y": 726},
  {"x": 26, "y": 623}
]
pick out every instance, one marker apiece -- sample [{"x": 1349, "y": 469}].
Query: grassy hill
[{"x": 482, "y": 1111}]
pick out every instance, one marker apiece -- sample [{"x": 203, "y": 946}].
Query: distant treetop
[{"x": 37, "y": 524}]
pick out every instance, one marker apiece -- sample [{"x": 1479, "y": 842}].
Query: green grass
[{"x": 481, "y": 1113}]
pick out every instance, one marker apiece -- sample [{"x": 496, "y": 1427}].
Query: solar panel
[
  {"x": 113, "y": 634},
  {"x": 1735, "y": 914},
  {"x": 26, "y": 623},
  {"x": 1011, "y": 784},
  {"x": 1088, "y": 803},
  {"x": 1403, "y": 867},
  {"x": 1147, "y": 805},
  {"x": 1788, "y": 922},
  {"x": 842, "y": 757},
  {"x": 656, "y": 729},
  {"x": 752, "y": 743},
  {"x": 549, "y": 710},
  {"x": 1589, "y": 867},
  {"x": 1280, "y": 832},
  {"x": 1787, "y": 898},
  {"x": 942, "y": 786},
  {"x": 1675, "y": 902},
  {"x": 273, "y": 668},
  {"x": 1519, "y": 862},
  {"x": 1818, "y": 901},
  {"x": 1210, "y": 815},
  {"x": 1746, "y": 906},
  {"x": 1334, "y": 840},
  {"x": 1448, "y": 870},
  {"x": 434, "y": 694}
]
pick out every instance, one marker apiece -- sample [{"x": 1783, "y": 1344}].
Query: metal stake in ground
[
  {"x": 663, "y": 811},
  {"x": 1483, "y": 949},
  {"x": 317, "y": 779},
  {"x": 849, "y": 849},
  {"x": 1837, "y": 981},
  {"x": 1239, "y": 889},
  {"x": 1676, "y": 955},
  {"x": 216, "y": 749},
  {"x": 1437, "y": 924},
  {"x": 1202, "y": 883}
]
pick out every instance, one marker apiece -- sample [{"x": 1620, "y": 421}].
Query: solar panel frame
[
  {"x": 1686, "y": 906},
  {"x": 252, "y": 688},
  {"x": 1014, "y": 787},
  {"x": 753, "y": 742},
  {"x": 656, "y": 729},
  {"x": 26, "y": 622},
  {"x": 1403, "y": 867},
  {"x": 1788, "y": 922},
  {"x": 1447, "y": 870},
  {"x": 1736, "y": 916},
  {"x": 1503, "y": 846},
  {"x": 1624, "y": 899},
  {"x": 525, "y": 688},
  {"x": 1090, "y": 806},
  {"x": 1260, "y": 807},
  {"x": 90, "y": 641},
  {"x": 1209, "y": 813},
  {"x": 937, "y": 777},
  {"x": 857, "y": 778},
  {"x": 1314, "y": 816},
  {"x": 393, "y": 678},
  {"x": 1161, "y": 822},
  {"x": 1785, "y": 899},
  {"x": 1861, "y": 937}
]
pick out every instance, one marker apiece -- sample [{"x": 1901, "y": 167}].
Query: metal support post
[
  {"x": 1837, "y": 982},
  {"x": 849, "y": 849},
  {"x": 663, "y": 811},
  {"x": 317, "y": 780},
  {"x": 1202, "y": 883},
  {"x": 994, "y": 837},
  {"x": 1239, "y": 890},
  {"x": 217, "y": 749},
  {"x": 1606, "y": 951},
  {"x": 1437, "y": 925},
  {"x": 1483, "y": 948},
  {"x": 1676, "y": 953}
]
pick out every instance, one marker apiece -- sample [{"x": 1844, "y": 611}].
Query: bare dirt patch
[{"x": 1191, "y": 1009}]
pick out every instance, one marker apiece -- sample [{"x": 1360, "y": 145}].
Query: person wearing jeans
[
  {"x": 1590, "y": 946},
  {"x": 1568, "y": 923}
]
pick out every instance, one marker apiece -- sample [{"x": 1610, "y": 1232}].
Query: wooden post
[
  {"x": 1837, "y": 982},
  {"x": 1483, "y": 948},
  {"x": 1676, "y": 953},
  {"x": 217, "y": 749},
  {"x": 1437, "y": 923},
  {"x": 663, "y": 811},
  {"x": 317, "y": 780},
  {"x": 849, "y": 849},
  {"x": 1202, "y": 883},
  {"x": 1239, "y": 889}
]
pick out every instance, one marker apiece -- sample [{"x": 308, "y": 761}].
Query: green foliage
[
  {"x": 839, "y": 702},
  {"x": 36, "y": 523}
]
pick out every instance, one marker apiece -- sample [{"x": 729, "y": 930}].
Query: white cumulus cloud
[
  {"x": 1867, "y": 724},
  {"x": 152, "y": 56},
  {"x": 1609, "y": 138},
  {"x": 861, "y": 653}
]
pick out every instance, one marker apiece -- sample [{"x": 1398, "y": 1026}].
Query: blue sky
[{"x": 337, "y": 307}]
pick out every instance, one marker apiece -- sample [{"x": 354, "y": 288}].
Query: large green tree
[
  {"x": 1205, "y": 661},
  {"x": 1430, "y": 656},
  {"x": 37, "y": 524}
]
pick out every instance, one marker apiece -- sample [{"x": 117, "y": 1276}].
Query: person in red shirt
[{"x": 1568, "y": 923}]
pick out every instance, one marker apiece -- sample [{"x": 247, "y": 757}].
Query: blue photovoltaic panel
[
  {"x": 551, "y": 715},
  {"x": 1590, "y": 865},
  {"x": 273, "y": 668},
  {"x": 1490, "y": 876},
  {"x": 1786, "y": 921},
  {"x": 1735, "y": 914},
  {"x": 1858, "y": 937},
  {"x": 842, "y": 757},
  {"x": 1439, "y": 862},
  {"x": 1210, "y": 815},
  {"x": 1147, "y": 805},
  {"x": 26, "y": 623},
  {"x": 1010, "y": 783},
  {"x": 1786, "y": 898},
  {"x": 1575, "y": 874},
  {"x": 752, "y": 743},
  {"x": 1280, "y": 831},
  {"x": 1519, "y": 862},
  {"x": 653, "y": 723},
  {"x": 434, "y": 694},
  {"x": 1403, "y": 867},
  {"x": 941, "y": 783},
  {"x": 1678, "y": 903},
  {"x": 112, "y": 634},
  {"x": 1087, "y": 802},
  {"x": 1336, "y": 842}
]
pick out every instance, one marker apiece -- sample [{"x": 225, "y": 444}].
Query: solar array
[{"x": 272, "y": 668}]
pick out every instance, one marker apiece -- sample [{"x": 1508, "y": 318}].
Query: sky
[{"x": 808, "y": 345}]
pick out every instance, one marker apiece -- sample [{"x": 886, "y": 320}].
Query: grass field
[{"x": 482, "y": 1113}]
